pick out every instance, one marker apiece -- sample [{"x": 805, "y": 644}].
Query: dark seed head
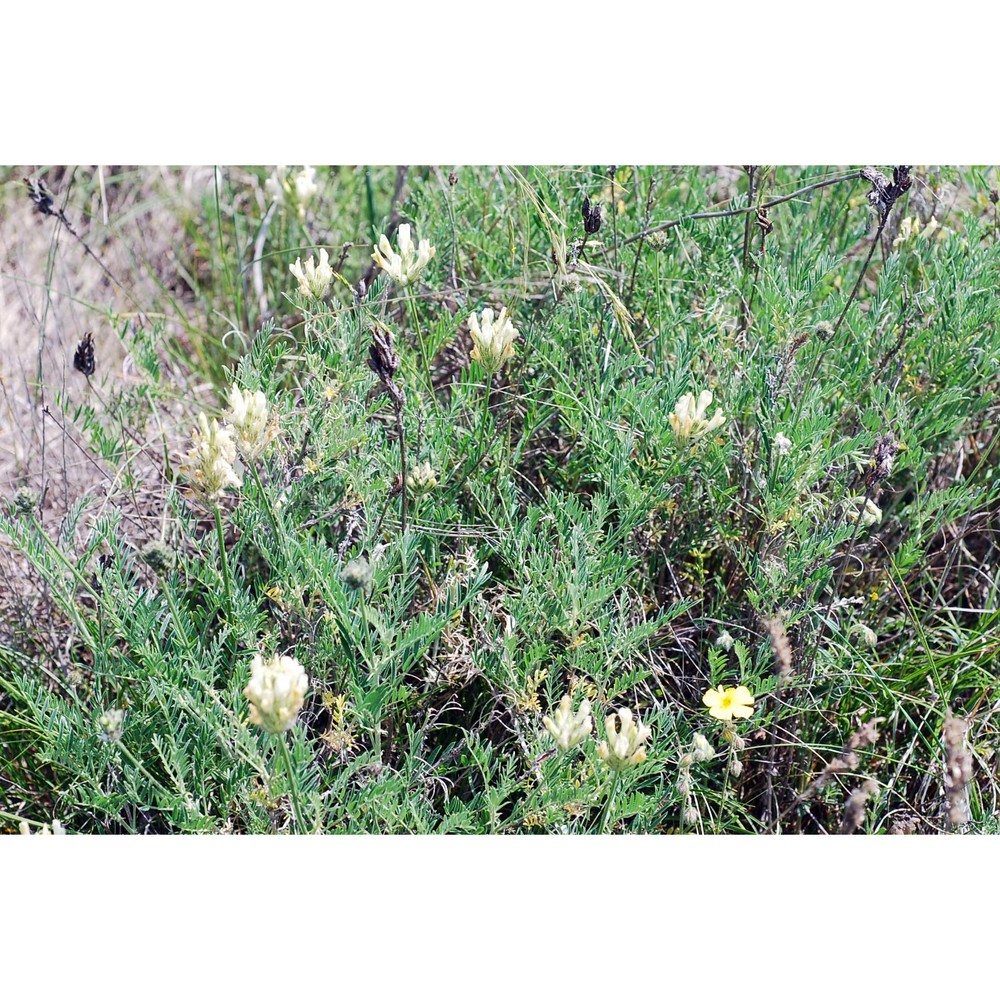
[
  {"x": 591, "y": 217},
  {"x": 40, "y": 195},
  {"x": 26, "y": 500},
  {"x": 84, "y": 359},
  {"x": 881, "y": 461}
]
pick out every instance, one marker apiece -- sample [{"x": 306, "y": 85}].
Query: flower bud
[
  {"x": 357, "y": 574},
  {"x": 157, "y": 556}
]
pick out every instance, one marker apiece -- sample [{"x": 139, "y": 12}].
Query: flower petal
[{"x": 712, "y": 697}]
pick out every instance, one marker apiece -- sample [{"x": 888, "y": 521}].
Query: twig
[
  {"x": 728, "y": 213},
  {"x": 614, "y": 226}
]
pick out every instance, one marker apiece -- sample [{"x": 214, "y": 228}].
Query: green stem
[
  {"x": 486, "y": 410},
  {"x": 175, "y": 613},
  {"x": 374, "y": 672},
  {"x": 366, "y": 639},
  {"x": 424, "y": 357},
  {"x": 292, "y": 783},
  {"x": 606, "y": 813},
  {"x": 222, "y": 558},
  {"x": 265, "y": 501}
]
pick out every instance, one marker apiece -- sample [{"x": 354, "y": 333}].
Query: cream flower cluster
[
  {"x": 403, "y": 267},
  {"x": 492, "y": 341},
  {"x": 248, "y": 417},
  {"x": 276, "y": 692},
  {"x": 421, "y": 479},
  {"x": 911, "y": 228},
  {"x": 567, "y": 727},
  {"x": 623, "y": 747},
  {"x": 314, "y": 280},
  {"x": 303, "y": 184},
  {"x": 111, "y": 725},
  {"x": 868, "y": 513},
  {"x": 46, "y": 831},
  {"x": 689, "y": 419},
  {"x": 209, "y": 464}
]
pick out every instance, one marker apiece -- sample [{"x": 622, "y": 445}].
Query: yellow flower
[
  {"x": 727, "y": 704},
  {"x": 46, "y": 831},
  {"x": 305, "y": 186},
  {"x": 868, "y": 514},
  {"x": 911, "y": 229}
]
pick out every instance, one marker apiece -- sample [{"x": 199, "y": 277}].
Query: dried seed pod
[
  {"x": 39, "y": 193},
  {"x": 84, "y": 360},
  {"x": 880, "y": 464},
  {"x": 591, "y": 217},
  {"x": 884, "y": 192},
  {"x": 384, "y": 361}
]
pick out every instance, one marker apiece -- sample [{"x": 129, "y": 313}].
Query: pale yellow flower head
[
  {"x": 689, "y": 420},
  {"x": 421, "y": 479},
  {"x": 209, "y": 464},
  {"x": 305, "y": 185},
  {"x": 703, "y": 750},
  {"x": 868, "y": 513},
  {"x": 911, "y": 229},
  {"x": 492, "y": 340},
  {"x": 276, "y": 692},
  {"x": 280, "y": 185},
  {"x": 403, "y": 267},
  {"x": 867, "y": 635},
  {"x": 46, "y": 831},
  {"x": 567, "y": 727},
  {"x": 248, "y": 416},
  {"x": 729, "y": 703},
  {"x": 275, "y": 185},
  {"x": 110, "y": 723},
  {"x": 314, "y": 281},
  {"x": 623, "y": 748}
]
